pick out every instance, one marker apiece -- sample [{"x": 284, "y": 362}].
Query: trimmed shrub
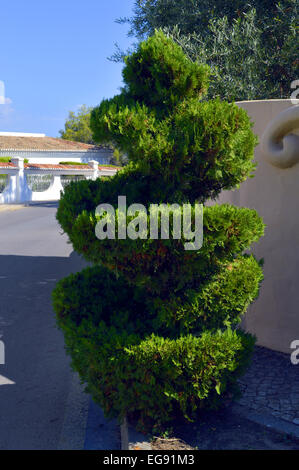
[
  {"x": 107, "y": 336},
  {"x": 8, "y": 159},
  {"x": 73, "y": 163},
  {"x": 151, "y": 328}
]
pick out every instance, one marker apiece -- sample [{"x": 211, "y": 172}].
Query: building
[{"x": 39, "y": 148}]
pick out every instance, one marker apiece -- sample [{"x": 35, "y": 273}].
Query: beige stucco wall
[{"x": 274, "y": 193}]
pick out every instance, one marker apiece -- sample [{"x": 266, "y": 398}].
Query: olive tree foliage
[
  {"x": 252, "y": 48},
  {"x": 249, "y": 60},
  {"x": 189, "y": 15}
]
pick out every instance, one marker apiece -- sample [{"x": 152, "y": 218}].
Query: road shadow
[
  {"x": 32, "y": 410},
  {"x": 225, "y": 430},
  {"x": 49, "y": 204}
]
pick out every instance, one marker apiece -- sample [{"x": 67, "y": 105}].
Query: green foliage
[
  {"x": 107, "y": 337},
  {"x": 268, "y": 47},
  {"x": 77, "y": 126},
  {"x": 3, "y": 182},
  {"x": 219, "y": 300},
  {"x": 177, "y": 138},
  {"x": 159, "y": 74},
  {"x": 210, "y": 142},
  {"x": 159, "y": 265},
  {"x": 251, "y": 46},
  {"x": 72, "y": 163},
  {"x": 8, "y": 159},
  {"x": 86, "y": 164},
  {"x": 150, "y": 314},
  {"x": 118, "y": 159},
  {"x": 190, "y": 15}
]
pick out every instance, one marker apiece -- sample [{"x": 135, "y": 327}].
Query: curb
[
  {"x": 267, "y": 420},
  {"x": 73, "y": 430},
  {"x": 100, "y": 434},
  {"x": 11, "y": 207},
  {"x": 104, "y": 435},
  {"x": 132, "y": 439}
]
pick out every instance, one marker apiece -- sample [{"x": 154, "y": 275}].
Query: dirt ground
[{"x": 224, "y": 430}]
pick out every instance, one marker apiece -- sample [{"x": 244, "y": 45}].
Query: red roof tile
[
  {"x": 49, "y": 166},
  {"x": 52, "y": 166},
  {"x": 43, "y": 143},
  {"x": 6, "y": 165}
]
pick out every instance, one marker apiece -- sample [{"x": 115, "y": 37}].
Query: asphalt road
[{"x": 35, "y": 410}]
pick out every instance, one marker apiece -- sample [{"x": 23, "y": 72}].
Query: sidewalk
[
  {"x": 265, "y": 417},
  {"x": 271, "y": 385}
]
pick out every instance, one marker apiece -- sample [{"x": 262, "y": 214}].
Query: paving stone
[
  {"x": 274, "y": 407},
  {"x": 277, "y": 414},
  {"x": 286, "y": 417},
  {"x": 271, "y": 385}
]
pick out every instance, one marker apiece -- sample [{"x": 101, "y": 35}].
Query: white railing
[{"x": 17, "y": 189}]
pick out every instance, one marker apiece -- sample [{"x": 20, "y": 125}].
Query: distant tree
[{"x": 77, "y": 126}]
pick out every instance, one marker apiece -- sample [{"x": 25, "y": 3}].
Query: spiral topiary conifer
[{"x": 151, "y": 327}]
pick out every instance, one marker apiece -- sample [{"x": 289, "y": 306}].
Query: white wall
[
  {"x": 102, "y": 156},
  {"x": 18, "y": 191},
  {"x": 274, "y": 193}
]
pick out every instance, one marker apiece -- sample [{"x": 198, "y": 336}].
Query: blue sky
[{"x": 54, "y": 58}]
